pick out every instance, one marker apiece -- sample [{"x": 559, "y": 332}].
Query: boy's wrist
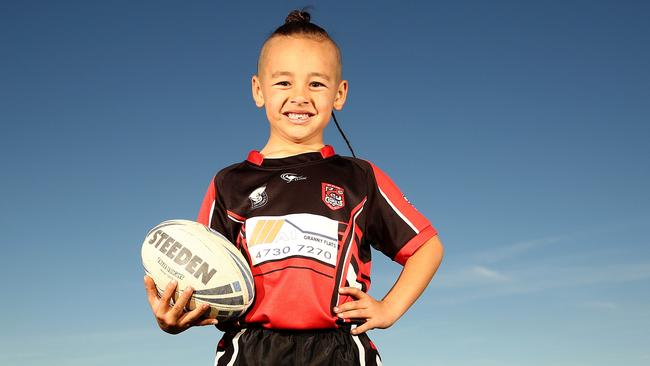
[{"x": 393, "y": 310}]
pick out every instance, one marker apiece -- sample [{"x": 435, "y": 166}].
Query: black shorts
[{"x": 259, "y": 346}]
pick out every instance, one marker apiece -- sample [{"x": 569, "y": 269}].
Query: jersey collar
[{"x": 257, "y": 158}]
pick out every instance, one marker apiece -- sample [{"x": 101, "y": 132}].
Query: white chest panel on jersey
[{"x": 271, "y": 238}]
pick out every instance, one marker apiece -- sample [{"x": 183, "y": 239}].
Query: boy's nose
[
  {"x": 299, "y": 100},
  {"x": 299, "y": 96}
]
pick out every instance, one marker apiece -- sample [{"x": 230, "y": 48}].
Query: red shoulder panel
[{"x": 207, "y": 205}]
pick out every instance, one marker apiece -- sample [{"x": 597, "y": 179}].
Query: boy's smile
[{"x": 299, "y": 83}]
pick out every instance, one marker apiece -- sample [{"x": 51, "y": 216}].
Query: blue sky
[{"x": 520, "y": 129}]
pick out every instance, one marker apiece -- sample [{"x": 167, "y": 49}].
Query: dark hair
[{"x": 298, "y": 23}]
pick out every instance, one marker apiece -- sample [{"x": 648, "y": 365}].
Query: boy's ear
[
  {"x": 256, "y": 87},
  {"x": 341, "y": 94}
]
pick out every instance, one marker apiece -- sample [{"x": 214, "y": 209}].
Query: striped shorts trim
[{"x": 259, "y": 346}]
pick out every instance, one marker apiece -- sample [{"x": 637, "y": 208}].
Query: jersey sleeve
[
  {"x": 394, "y": 226},
  {"x": 214, "y": 214}
]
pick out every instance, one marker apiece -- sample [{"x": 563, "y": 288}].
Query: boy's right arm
[{"x": 174, "y": 319}]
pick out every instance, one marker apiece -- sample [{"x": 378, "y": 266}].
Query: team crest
[
  {"x": 333, "y": 196},
  {"x": 258, "y": 197}
]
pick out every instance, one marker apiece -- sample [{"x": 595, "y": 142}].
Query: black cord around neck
[{"x": 343, "y": 134}]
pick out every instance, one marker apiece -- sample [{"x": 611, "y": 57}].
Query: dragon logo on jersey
[
  {"x": 258, "y": 197},
  {"x": 333, "y": 196}
]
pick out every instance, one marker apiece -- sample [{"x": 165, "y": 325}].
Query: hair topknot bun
[
  {"x": 298, "y": 24},
  {"x": 297, "y": 16}
]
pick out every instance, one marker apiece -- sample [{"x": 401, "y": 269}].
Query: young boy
[{"x": 305, "y": 219}]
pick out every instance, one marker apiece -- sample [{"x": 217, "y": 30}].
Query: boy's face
[{"x": 299, "y": 83}]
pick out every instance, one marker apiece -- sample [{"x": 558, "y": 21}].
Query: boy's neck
[{"x": 275, "y": 149}]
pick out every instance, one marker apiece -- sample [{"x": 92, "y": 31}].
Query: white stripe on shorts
[
  {"x": 235, "y": 342},
  {"x": 362, "y": 351}
]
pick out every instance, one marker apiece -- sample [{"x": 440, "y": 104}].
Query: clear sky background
[{"x": 520, "y": 129}]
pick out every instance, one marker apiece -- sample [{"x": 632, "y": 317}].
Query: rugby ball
[{"x": 197, "y": 256}]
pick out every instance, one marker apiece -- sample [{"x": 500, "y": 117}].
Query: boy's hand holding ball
[{"x": 174, "y": 319}]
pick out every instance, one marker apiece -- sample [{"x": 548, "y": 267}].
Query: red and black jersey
[{"x": 306, "y": 223}]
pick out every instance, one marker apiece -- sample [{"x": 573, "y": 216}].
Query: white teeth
[{"x": 298, "y": 115}]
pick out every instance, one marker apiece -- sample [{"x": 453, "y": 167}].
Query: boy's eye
[{"x": 314, "y": 84}]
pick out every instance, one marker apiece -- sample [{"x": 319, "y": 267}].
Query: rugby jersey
[{"x": 305, "y": 224}]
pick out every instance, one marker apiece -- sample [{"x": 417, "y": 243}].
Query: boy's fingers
[
  {"x": 357, "y": 313},
  {"x": 350, "y": 305},
  {"x": 191, "y": 317},
  {"x": 207, "y": 322},
  {"x": 148, "y": 282},
  {"x": 361, "y": 328},
  {"x": 152, "y": 293},
  {"x": 352, "y": 291},
  {"x": 182, "y": 301},
  {"x": 166, "y": 296}
]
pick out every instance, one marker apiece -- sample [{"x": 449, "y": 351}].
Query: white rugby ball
[{"x": 197, "y": 256}]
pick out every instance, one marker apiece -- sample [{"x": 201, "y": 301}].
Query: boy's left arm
[{"x": 416, "y": 275}]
